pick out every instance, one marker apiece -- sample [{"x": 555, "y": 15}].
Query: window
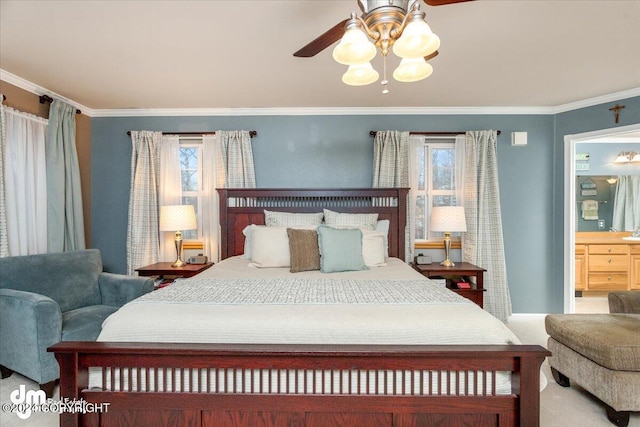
[
  {"x": 434, "y": 183},
  {"x": 191, "y": 179}
]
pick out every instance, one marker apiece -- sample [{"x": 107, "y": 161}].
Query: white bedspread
[{"x": 428, "y": 314}]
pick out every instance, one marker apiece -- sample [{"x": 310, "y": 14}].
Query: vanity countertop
[{"x": 604, "y": 238}]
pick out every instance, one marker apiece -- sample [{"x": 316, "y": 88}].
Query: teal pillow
[{"x": 340, "y": 249}]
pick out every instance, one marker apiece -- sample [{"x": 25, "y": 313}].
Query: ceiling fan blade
[
  {"x": 431, "y": 56},
  {"x": 443, "y": 2},
  {"x": 322, "y": 42}
]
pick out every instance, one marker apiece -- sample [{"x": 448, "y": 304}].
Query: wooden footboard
[{"x": 300, "y": 385}]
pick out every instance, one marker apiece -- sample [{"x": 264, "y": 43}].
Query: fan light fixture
[
  {"x": 627, "y": 157},
  {"x": 390, "y": 27}
]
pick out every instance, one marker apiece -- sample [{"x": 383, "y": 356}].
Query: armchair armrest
[
  {"x": 624, "y": 302},
  {"x": 29, "y": 324},
  {"x": 119, "y": 289}
]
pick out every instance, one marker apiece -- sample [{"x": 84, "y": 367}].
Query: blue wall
[{"x": 336, "y": 151}]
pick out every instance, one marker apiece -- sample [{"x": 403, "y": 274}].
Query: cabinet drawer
[
  {"x": 608, "y": 263},
  {"x": 581, "y": 249},
  {"x": 635, "y": 249},
  {"x": 608, "y": 281},
  {"x": 609, "y": 249}
]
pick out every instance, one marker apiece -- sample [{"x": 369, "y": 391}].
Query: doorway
[{"x": 595, "y": 137}]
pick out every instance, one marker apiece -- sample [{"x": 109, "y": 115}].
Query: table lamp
[
  {"x": 448, "y": 219},
  {"x": 177, "y": 218}
]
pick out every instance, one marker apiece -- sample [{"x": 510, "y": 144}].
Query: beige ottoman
[{"x": 601, "y": 352}]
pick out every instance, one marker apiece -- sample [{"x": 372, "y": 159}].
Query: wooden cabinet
[
  {"x": 604, "y": 262},
  {"x": 580, "y": 267},
  {"x": 634, "y": 280}
]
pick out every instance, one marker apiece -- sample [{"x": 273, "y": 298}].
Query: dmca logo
[{"x": 25, "y": 402}]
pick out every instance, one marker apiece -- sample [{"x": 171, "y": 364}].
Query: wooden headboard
[{"x": 240, "y": 207}]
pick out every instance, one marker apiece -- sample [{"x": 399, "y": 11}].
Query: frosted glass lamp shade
[
  {"x": 360, "y": 75},
  {"x": 448, "y": 219},
  {"x": 412, "y": 70},
  {"x": 354, "y": 48},
  {"x": 177, "y": 217},
  {"x": 635, "y": 157},
  {"x": 417, "y": 40}
]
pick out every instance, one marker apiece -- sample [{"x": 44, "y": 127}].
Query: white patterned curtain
[
  {"x": 143, "y": 239},
  {"x": 483, "y": 243},
  {"x": 626, "y": 205},
  {"x": 4, "y": 232},
  {"x": 392, "y": 160},
  {"x": 235, "y": 159},
  {"x": 169, "y": 189},
  {"x": 227, "y": 163},
  {"x": 25, "y": 182},
  {"x": 64, "y": 214}
]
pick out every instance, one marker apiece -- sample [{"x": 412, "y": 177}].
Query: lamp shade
[
  {"x": 448, "y": 218},
  {"x": 412, "y": 70},
  {"x": 354, "y": 48},
  {"x": 177, "y": 217},
  {"x": 360, "y": 75},
  {"x": 417, "y": 40}
]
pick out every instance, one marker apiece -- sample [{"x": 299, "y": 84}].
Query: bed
[{"x": 294, "y": 363}]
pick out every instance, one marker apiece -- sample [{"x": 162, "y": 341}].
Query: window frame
[
  {"x": 429, "y": 143},
  {"x": 197, "y": 143}
]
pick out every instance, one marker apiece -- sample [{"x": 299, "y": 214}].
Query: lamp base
[
  {"x": 447, "y": 263},
  {"x": 178, "y": 263}
]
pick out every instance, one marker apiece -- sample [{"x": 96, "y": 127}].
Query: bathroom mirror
[{"x": 596, "y": 198}]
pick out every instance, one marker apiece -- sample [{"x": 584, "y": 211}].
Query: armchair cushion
[
  {"x": 85, "y": 324},
  {"x": 118, "y": 289}
]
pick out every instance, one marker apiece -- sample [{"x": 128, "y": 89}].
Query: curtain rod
[
  {"x": 374, "y": 132},
  {"x": 252, "y": 133},
  {"x": 45, "y": 98}
]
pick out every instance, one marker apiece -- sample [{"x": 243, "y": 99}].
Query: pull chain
[{"x": 384, "y": 75}]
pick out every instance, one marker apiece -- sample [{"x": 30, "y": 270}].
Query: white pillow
[
  {"x": 382, "y": 226},
  {"x": 247, "y": 241},
  {"x": 337, "y": 219},
  {"x": 269, "y": 247},
  {"x": 373, "y": 250},
  {"x": 291, "y": 219}
]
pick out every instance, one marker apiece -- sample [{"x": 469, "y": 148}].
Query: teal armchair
[{"x": 55, "y": 297}]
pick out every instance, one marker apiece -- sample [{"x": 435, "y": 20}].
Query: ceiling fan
[{"x": 384, "y": 22}]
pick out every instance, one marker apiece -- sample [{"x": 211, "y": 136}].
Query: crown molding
[
  {"x": 320, "y": 111},
  {"x": 39, "y": 90},
  {"x": 317, "y": 111},
  {"x": 616, "y": 96}
]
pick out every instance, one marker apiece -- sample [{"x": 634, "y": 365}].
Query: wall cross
[{"x": 616, "y": 110}]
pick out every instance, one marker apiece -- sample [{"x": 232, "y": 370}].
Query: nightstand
[
  {"x": 475, "y": 294},
  {"x": 164, "y": 269}
]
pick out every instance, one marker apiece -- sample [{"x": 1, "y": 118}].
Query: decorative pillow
[
  {"x": 269, "y": 247},
  {"x": 247, "y": 241},
  {"x": 373, "y": 251},
  {"x": 290, "y": 219},
  {"x": 382, "y": 226},
  {"x": 340, "y": 249},
  {"x": 337, "y": 219},
  {"x": 304, "y": 250}
]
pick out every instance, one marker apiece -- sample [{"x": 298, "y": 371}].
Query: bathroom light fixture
[
  {"x": 627, "y": 156},
  {"x": 612, "y": 180}
]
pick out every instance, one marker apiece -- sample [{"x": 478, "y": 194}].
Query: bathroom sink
[{"x": 637, "y": 239}]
